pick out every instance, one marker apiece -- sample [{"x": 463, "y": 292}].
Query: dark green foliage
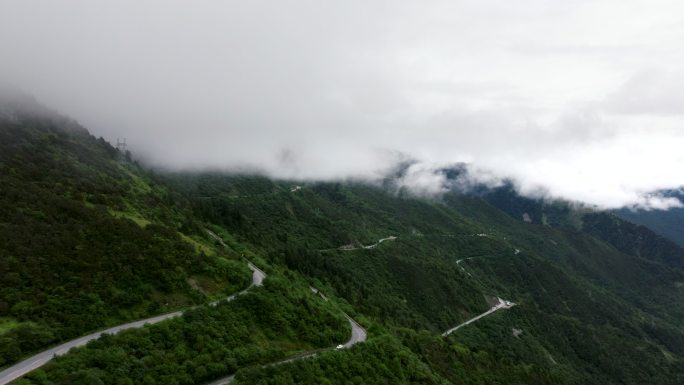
[
  {"x": 88, "y": 239},
  {"x": 633, "y": 239},
  {"x": 537, "y": 211},
  {"x": 265, "y": 325},
  {"x": 382, "y": 361},
  {"x": 412, "y": 281},
  {"x": 67, "y": 265},
  {"x": 461, "y": 365},
  {"x": 668, "y": 223},
  {"x": 581, "y": 301}
]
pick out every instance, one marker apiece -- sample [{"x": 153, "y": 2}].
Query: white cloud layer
[{"x": 580, "y": 99}]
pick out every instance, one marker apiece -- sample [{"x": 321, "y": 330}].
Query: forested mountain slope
[
  {"x": 90, "y": 239},
  {"x": 628, "y": 237},
  {"x": 584, "y": 304},
  {"x": 87, "y": 241},
  {"x": 668, "y": 223}
]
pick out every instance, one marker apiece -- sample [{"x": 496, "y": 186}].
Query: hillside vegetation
[
  {"x": 87, "y": 241},
  {"x": 668, "y": 223},
  {"x": 271, "y": 323},
  {"x": 589, "y": 310},
  {"x": 90, "y": 239}
]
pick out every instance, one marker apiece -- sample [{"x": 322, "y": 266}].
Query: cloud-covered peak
[{"x": 578, "y": 99}]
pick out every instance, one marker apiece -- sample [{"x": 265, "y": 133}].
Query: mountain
[
  {"x": 668, "y": 223},
  {"x": 87, "y": 241},
  {"x": 630, "y": 237},
  {"x": 90, "y": 239},
  {"x": 583, "y": 302}
]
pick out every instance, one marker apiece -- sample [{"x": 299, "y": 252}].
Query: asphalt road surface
[
  {"x": 358, "y": 334},
  {"x": 18, "y": 370},
  {"x": 502, "y": 304}
]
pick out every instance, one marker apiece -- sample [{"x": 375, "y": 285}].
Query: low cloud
[
  {"x": 423, "y": 180},
  {"x": 577, "y": 100},
  {"x": 649, "y": 92}
]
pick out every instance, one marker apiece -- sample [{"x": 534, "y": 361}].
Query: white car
[{"x": 339, "y": 347}]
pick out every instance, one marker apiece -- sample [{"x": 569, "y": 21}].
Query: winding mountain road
[
  {"x": 21, "y": 368},
  {"x": 502, "y": 304},
  {"x": 390, "y": 238},
  {"x": 351, "y": 247},
  {"x": 358, "y": 334},
  {"x": 463, "y": 268}
]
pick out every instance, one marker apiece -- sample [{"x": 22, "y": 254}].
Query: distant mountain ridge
[
  {"x": 563, "y": 214},
  {"x": 88, "y": 239},
  {"x": 668, "y": 223}
]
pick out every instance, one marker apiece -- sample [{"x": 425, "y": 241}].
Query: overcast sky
[{"x": 582, "y": 99}]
